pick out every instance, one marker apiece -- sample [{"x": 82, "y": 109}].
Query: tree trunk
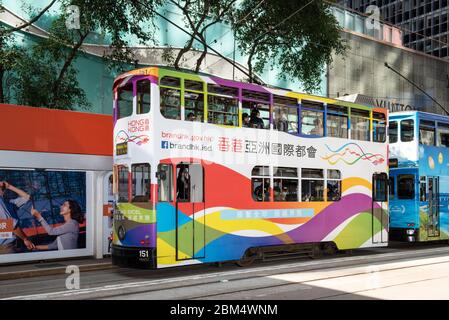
[
  {"x": 65, "y": 67},
  {"x": 203, "y": 54},
  {"x": 182, "y": 52}
]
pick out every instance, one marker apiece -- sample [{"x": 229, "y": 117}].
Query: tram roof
[{"x": 421, "y": 115}]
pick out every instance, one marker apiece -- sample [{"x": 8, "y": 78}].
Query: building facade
[
  {"x": 424, "y": 22},
  {"x": 362, "y": 71}
]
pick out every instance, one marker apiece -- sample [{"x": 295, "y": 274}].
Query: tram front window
[
  {"x": 125, "y": 101},
  {"x": 393, "y": 131}
]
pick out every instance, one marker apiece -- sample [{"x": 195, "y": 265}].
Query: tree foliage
[
  {"x": 298, "y": 36},
  {"x": 45, "y": 75},
  {"x": 198, "y": 17}
]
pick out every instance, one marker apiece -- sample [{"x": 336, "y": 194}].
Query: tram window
[
  {"x": 333, "y": 185},
  {"x": 171, "y": 103},
  {"x": 193, "y": 85},
  {"x": 407, "y": 130},
  {"x": 123, "y": 184},
  {"x": 183, "y": 183},
  {"x": 165, "y": 183},
  {"x": 222, "y": 90},
  {"x": 312, "y": 185},
  {"x": 426, "y": 132},
  {"x": 406, "y": 186},
  {"x": 422, "y": 189},
  {"x": 360, "y": 125},
  {"x": 143, "y": 96},
  {"x": 380, "y": 185},
  {"x": 194, "y": 106},
  {"x": 391, "y": 187},
  {"x": 285, "y": 184},
  {"x": 259, "y": 114},
  {"x": 141, "y": 182},
  {"x": 260, "y": 189},
  {"x": 223, "y": 110},
  {"x": 250, "y": 94},
  {"x": 337, "y": 121},
  {"x": 393, "y": 131},
  {"x": 312, "y": 122},
  {"x": 170, "y": 82},
  {"x": 379, "y": 127},
  {"x": 285, "y": 114},
  {"x": 125, "y": 101},
  {"x": 260, "y": 185},
  {"x": 443, "y": 134}
]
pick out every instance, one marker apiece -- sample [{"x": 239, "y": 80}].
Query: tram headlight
[
  {"x": 121, "y": 232},
  {"x": 410, "y": 232}
]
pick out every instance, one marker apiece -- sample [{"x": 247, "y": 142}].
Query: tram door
[
  {"x": 379, "y": 206},
  {"x": 433, "y": 226},
  {"x": 190, "y": 218}
]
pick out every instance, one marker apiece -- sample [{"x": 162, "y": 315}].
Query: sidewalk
[{"x": 37, "y": 269}]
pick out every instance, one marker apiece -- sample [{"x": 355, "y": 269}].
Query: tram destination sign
[{"x": 121, "y": 148}]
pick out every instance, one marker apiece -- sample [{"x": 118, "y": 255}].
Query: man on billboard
[{"x": 9, "y": 229}]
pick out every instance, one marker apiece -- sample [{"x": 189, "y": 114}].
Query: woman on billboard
[{"x": 67, "y": 234}]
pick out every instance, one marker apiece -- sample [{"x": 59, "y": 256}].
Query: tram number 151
[{"x": 143, "y": 254}]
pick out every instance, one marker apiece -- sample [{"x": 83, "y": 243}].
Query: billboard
[{"x": 42, "y": 211}]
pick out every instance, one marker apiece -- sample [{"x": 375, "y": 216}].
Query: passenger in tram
[
  {"x": 8, "y": 211},
  {"x": 318, "y": 127},
  {"x": 307, "y": 197},
  {"x": 67, "y": 233},
  {"x": 245, "y": 120},
  {"x": 255, "y": 120},
  {"x": 281, "y": 123},
  {"x": 191, "y": 117},
  {"x": 277, "y": 194},
  {"x": 262, "y": 193},
  {"x": 183, "y": 184}
]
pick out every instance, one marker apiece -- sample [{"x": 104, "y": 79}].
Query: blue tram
[{"x": 419, "y": 176}]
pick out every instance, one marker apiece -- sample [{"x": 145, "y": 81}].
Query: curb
[{"x": 53, "y": 271}]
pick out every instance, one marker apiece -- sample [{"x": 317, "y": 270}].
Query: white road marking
[{"x": 50, "y": 295}]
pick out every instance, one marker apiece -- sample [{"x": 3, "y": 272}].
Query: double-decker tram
[
  {"x": 210, "y": 170},
  {"x": 419, "y": 176}
]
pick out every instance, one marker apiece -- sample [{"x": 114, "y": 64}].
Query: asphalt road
[{"x": 398, "y": 272}]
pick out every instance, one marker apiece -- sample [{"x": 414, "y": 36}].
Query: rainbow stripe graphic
[
  {"x": 351, "y": 154},
  {"x": 122, "y": 136}
]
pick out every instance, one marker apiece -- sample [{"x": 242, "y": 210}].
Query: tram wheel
[
  {"x": 246, "y": 260},
  {"x": 329, "y": 249},
  {"x": 315, "y": 253}
]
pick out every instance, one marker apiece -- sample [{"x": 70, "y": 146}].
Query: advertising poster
[{"x": 42, "y": 210}]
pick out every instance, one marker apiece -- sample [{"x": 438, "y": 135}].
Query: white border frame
[{"x": 95, "y": 167}]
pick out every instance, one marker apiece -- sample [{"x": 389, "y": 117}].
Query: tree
[
  {"x": 10, "y": 53},
  {"x": 44, "y": 73},
  {"x": 198, "y": 17},
  {"x": 299, "y": 36},
  {"x": 53, "y": 82}
]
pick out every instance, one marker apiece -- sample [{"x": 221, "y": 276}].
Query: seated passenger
[
  {"x": 191, "y": 117},
  {"x": 318, "y": 127},
  {"x": 245, "y": 120},
  {"x": 281, "y": 123},
  {"x": 255, "y": 120}
]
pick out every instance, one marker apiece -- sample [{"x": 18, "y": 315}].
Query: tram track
[
  {"x": 201, "y": 278},
  {"x": 349, "y": 273}
]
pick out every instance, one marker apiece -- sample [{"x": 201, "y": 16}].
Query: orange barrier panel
[{"x": 47, "y": 130}]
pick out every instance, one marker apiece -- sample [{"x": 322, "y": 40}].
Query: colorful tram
[
  {"x": 198, "y": 181},
  {"x": 419, "y": 176}
]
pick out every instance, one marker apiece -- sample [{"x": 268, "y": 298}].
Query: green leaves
[{"x": 298, "y": 36}]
